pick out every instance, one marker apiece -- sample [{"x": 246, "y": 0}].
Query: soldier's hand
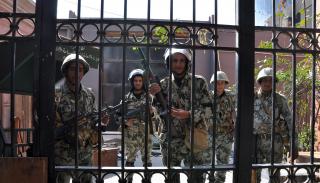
[
  {"x": 105, "y": 120},
  {"x": 154, "y": 88},
  {"x": 179, "y": 113}
]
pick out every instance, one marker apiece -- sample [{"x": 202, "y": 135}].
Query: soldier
[
  {"x": 135, "y": 127},
  {"x": 180, "y": 60},
  {"x": 263, "y": 124},
  {"x": 225, "y": 117},
  {"x": 65, "y": 143}
]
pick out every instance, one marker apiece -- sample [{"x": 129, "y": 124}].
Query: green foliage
[
  {"x": 265, "y": 44},
  {"x": 302, "y": 23},
  {"x": 304, "y": 137},
  {"x": 279, "y": 14},
  {"x": 161, "y": 34},
  {"x": 301, "y": 11}
]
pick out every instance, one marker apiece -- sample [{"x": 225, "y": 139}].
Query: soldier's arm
[
  {"x": 287, "y": 115},
  {"x": 233, "y": 105},
  {"x": 91, "y": 111},
  {"x": 285, "y": 112},
  {"x": 202, "y": 111}
]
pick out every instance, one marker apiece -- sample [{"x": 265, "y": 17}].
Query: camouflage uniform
[
  {"x": 181, "y": 99},
  {"x": 87, "y": 136},
  {"x": 225, "y": 115},
  {"x": 263, "y": 126},
  {"x": 135, "y": 135}
]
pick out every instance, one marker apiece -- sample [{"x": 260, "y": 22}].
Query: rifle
[
  {"x": 68, "y": 125},
  {"x": 153, "y": 79},
  {"x": 137, "y": 113}
]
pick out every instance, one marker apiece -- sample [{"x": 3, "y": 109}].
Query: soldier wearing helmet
[
  {"x": 137, "y": 86},
  {"x": 135, "y": 127},
  {"x": 263, "y": 123},
  {"x": 179, "y": 61},
  {"x": 65, "y": 140},
  {"x": 68, "y": 68},
  {"x": 225, "y": 116}
]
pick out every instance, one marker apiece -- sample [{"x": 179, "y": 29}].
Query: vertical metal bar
[
  {"x": 273, "y": 93},
  {"x": 35, "y": 102},
  {"x": 314, "y": 87},
  {"x": 274, "y": 23},
  {"x": 77, "y": 87},
  {"x": 193, "y": 84},
  {"x": 294, "y": 103},
  {"x": 169, "y": 119},
  {"x": 147, "y": 117},
  {"x": 245, "y": 68},
  {"x": 314, "y": 14},
  {"x": 214, "y": 108},
  {"x": 100, "y": 97},
  {"x": 274, "y": 61},
  {"x": 294, "y": 64},
  {"x": 46, "y": 12},
  {"x": 124, "y": 60},
  {"x": 294, "y": 13},
  {"x": 313, "y": 112},
  {"x": 12, "y": 83}
]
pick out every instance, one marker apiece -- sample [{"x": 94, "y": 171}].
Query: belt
[{"x": 266, "y": 135}]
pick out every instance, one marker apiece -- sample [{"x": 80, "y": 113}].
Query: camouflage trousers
[
  {"x": 179, "y": 153},
  {"x": 64, "y": 156},
  {"x": 223, "y": 146},
  {"x": 135, "y": 141},
  {"x": 263, "y": 152}
]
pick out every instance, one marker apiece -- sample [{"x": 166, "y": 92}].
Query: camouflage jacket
[
  {"x": 225, "y": 111},
  {"x": 263, "y": 115},
  {"x": 181, "y": 99},
  {"x": 65, "y": 113},
  {"x": 139, "y": 102}
]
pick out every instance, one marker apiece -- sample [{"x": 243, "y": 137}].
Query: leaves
[
  {"x": 305, "y": 138},
  {"x": 265, "y": 44}
]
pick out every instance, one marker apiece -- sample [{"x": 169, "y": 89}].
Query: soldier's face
[
  {"x": 138, "y": 83},
  {"x": 71, "y": 73},
  {"x": 266, "y": 84},
  {"x": 220, "y": 87},
  {"x": 178, "y": 64}
]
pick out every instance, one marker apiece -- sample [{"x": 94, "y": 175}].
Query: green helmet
[
  {"x": 72, "y": 58},
  {"x": 265, "y": 72},
  {"x": 221, "y": 76}
]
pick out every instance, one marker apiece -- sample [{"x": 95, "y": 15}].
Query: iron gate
[{"x": 71, "y": 35}]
